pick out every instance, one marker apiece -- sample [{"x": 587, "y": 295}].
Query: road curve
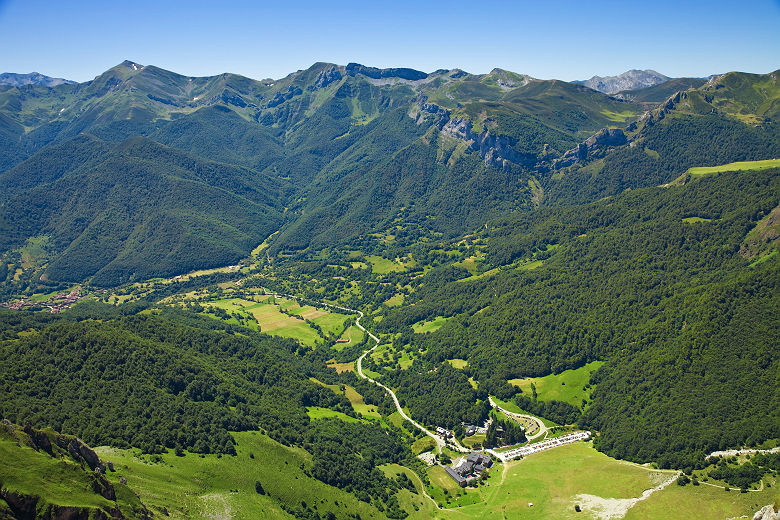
[
  {"x": 440, "y": 443},
  {"x": 513, "y": 415}
]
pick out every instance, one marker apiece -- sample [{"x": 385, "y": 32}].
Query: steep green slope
[
  {"x": 44, "y": 474},
  {"x": 630, "y": 281},
  {"x": 730, "y": 118},
  {"x": 168, "y": 379},
  {"x": 135, "y": 209}
]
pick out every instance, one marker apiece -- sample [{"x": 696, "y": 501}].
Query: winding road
[
  {"x": 515, "y": 416},
  {"x": 440, "y": 442}
]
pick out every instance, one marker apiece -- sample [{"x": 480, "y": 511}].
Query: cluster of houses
[
  {"x": 55, "y": 304},
  {"x": 443, "y": 432},
  {"x": 470, "y": 468}
]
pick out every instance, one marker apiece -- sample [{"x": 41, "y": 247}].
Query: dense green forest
[{"x": 631, "y": 282}]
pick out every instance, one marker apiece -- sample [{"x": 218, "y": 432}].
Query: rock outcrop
[
  {"x": 594, "y": 144},
  {"x": 767, "y": 513},
  {"x": 281, "y": 97},
  {"x": 496, "y": 150},
  {"x": 327, "y": 77},
  {"x": 629, "y": 80},
  {"x": 29, "y": 507},
  {"x": 353, "y": 69}
]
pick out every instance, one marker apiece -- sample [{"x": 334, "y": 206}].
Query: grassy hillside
[
  {"x": 39, "y": 476},
  {"x": 661, "y": 92}
]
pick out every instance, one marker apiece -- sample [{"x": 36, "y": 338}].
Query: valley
[{"x": 581, "y": 285}]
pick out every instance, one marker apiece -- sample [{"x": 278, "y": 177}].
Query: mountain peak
[{"x": 629, "y": 80}]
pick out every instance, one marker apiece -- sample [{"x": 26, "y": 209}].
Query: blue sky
[{"x": 79, "y": 39}]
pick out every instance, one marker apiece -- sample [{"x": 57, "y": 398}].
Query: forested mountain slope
[
  {"x": 114, "y": 212},
  {"x": 348, "y": 154},
  {"x": 650, "y": 281}
]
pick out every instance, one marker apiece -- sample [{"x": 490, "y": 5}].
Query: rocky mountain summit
[{"x": 629, "y": 80}]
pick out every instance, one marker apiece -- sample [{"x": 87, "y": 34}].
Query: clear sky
[{"x": 79, "y": 39}]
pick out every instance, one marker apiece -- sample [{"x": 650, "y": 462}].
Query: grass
[
  {"x": 422, "y": 445},
  {"x": 701, "y": 502},
  {"x": 694, "y": 220},
  {"x": 395, "y": 300},
  {"x": 491, "y": 272},
  {"x": 566, "y": 386},
  {"x": 353, "y": 334},
  {"x": 429, "y": 326},
  {"x": 331, "y": 323},
  {"x": 315, "y": 412},
  {"x": 57, "y": 481},
  {"x": 381, "y": 265},
  {"x": 458, "y": 363},
  {"x": 343, "y": 367},
  {"x": 213, "y": 487},
  {"x": 735, "y": 166},
  {"x": 763, "y": 259},
  {"x": 617, "y": 117}
]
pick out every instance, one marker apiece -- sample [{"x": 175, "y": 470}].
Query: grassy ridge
[{"x": 699, "y": 171}]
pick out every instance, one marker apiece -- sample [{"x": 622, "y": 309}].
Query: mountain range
[
  {"x": 341, "y": 151},
  {"x": 629, "y": 80},
  {"x": 208, "y": 278}
]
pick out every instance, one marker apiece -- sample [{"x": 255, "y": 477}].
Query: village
[
  {"x": 471, "y": 468},
  {"x": 55, "y": 304}
]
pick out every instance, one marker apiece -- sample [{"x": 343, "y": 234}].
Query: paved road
[
  {"x": 440, "y": 442},
  {"x": 515, "y": 416}
]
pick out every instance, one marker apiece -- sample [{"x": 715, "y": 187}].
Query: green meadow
[
  {"x": 430, "y": 326},
  {"x": 224, "y": 487},
  {"x": 735, "y": 166},
  {"x": 566, "y": 386}
]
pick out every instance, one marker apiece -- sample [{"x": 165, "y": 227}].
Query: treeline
[{"x": 666, "y": 151}]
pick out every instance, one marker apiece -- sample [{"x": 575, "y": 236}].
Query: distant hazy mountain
[
  {"x": 658, "y": 93},
  {"x": 33, "y": 78},
  {"x": 630, "y": 80}
]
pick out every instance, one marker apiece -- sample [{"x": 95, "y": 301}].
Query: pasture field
[
  {"x": 566, "y": 386},
  {"x": 65, "y": 483},
  {"x": 698, "y": 171},
  {"x": 316, "y": 412},
  {"x": 429, "y": 326},
  {"x": 695, "y": 220},
  {"x": 224, "y": 487},
  {"x": 271, "y": 319},
  {"x": 381, "y": 265},
  {"x": 395, "y": 300}
]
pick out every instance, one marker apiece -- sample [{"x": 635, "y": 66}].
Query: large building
[{"x": 470, "y": 469}]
